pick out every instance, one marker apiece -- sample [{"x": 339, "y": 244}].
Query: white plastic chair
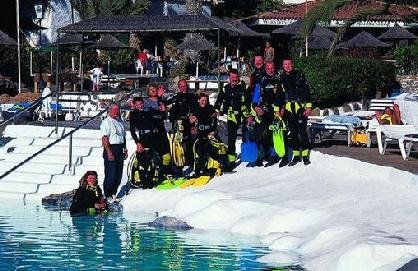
[{"x": 388, "y": 133}]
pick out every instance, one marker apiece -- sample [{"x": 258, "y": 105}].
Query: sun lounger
[
  {"x": 400, "y": 133},
  {"x": 333, "y": 124},
  {"x": 380, "y": 104},
  {"x": 409, "y": 141},
  {"x": 319, "y": 128}
]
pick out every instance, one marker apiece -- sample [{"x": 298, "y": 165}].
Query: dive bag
[
  {"x": 144, "y": 169},
  {"x": 359, "y": 137}
]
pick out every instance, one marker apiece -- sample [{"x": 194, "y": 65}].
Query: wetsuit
[
  {"x": 208, "y": 144},
  {"x": 206, "y": 123},
  {"x": 142, "y": 127},
  {"x": 159, "y": 140},
  {"x": 234, "y": 102},
  {"x": 298, "y": 98},
  {"x": 272, "y": 99},
  {"x": 84, "y": 199},
  {"x": 182, "y": 105}
]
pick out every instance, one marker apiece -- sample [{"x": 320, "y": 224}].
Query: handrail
[
  {"x": 34, "y": 104},
  {"x": 59, "y": 139}
]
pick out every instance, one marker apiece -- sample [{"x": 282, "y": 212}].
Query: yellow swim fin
[{"x": 199, "y": 181}]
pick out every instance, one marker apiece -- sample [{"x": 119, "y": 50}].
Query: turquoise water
[{"x": 33, "y": 238}]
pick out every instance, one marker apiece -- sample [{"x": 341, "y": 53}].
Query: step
[
  {"x": 92, "y": 161},
  {"x": 34, "y": 178},
  {"x": 66, "y": 179},
  {"x": 11, "y": 195},
  {"x": 81, "y": 169},
  {"x": 34, "y": 167},
  {"x": 19, "y": 131},
  {"x": 42, "y": 158},
  {"x": 77, "y": 142},
  {"x": 46, "y": 190},
  {"x": 18, "y": 187},
  {"x": 77, "y": 151}
]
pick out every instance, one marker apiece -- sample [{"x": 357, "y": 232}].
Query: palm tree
[
  {"x": 194, "y": 6},
  {"x": 93, "y": 8},
  {"x": 324, "y": 12}
]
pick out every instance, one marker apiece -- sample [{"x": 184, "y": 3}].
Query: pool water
[{"x": 33, "y": 238}]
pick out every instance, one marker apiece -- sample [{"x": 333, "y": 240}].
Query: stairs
[{"x": 49, "y": 172}]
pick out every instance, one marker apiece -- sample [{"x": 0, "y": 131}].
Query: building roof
[
  {"x": 397, "y": 32},
  {"x": 158, "y": 23},
  {"x": 109, "y": 42},
  {"x": 362, "y": 40},
  {"x": 6, "y": 40},
  {"x": 295, "y": 12}
]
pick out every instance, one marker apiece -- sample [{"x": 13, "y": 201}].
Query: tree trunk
[
  {"x": 194, "y": 6},
  {"x": 134, "y": 41}
]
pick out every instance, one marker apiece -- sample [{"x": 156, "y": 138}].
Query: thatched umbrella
[
  {"x": 244, "y": 31},
  {"x": 196, "y": 42},
  {"x": 151, "y": 24},
  {"x": 363, "y": 40},
  {"x": 70, "y": 40},
  {"x": 109, "y": 43},
  {"x": 319, "y": 43},
  {"x": 290, "y": 29},
  {"x": 199, "y": 43},
  {"x": 297, "y": 28},
  {"x": 397, "y": 33},
  {"x": 6, "y": 40}
]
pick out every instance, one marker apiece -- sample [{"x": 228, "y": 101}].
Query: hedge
[
  {"x": 407, "y": 59},
  {"x": 336, "y": 81}
]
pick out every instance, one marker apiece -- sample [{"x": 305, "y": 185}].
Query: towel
[{"x": 337, "y": 119}]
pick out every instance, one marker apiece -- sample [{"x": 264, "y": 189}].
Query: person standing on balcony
[
  {"x": 97, "y": 76},
  {"x": 268, "y": 52}
]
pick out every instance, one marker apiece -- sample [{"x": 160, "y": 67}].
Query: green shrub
[
  {"x": 336, "y": 81},
  {"x": 407, "y": 59}
]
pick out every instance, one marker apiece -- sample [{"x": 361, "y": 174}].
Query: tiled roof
[
  {"x": 395, "y": 12},
  {"x": 288, "y": 12}
]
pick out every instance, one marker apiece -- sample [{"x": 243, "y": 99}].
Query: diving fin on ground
[
  {"x": 171, "y": 183},
  {"x": 198, "y": 181}
]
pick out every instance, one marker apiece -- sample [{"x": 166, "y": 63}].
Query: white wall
[{"x": 57, "y": 16}]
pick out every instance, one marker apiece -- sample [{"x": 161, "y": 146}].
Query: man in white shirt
[
  {"x": 114, "y": 150},
  {"x": 97, "y": 75}
]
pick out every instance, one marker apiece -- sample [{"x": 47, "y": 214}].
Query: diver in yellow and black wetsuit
[
  {"x": 234, "y": 101},
  {"x": 297, "y": 109}
]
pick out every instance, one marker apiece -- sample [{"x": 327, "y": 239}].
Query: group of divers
[{"x": 271, "y": 112}]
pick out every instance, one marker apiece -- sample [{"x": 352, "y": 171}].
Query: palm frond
[
  {"x": 361, "y": 15},
  {"x": 139, "y": 7},
  {"x": 321, "y": 13},
  {"x": 104, "y": 7}
]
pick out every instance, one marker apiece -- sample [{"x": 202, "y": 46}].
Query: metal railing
[
  {"x": 69, "y": 134},
  {"x": 33, "y": 106}
]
